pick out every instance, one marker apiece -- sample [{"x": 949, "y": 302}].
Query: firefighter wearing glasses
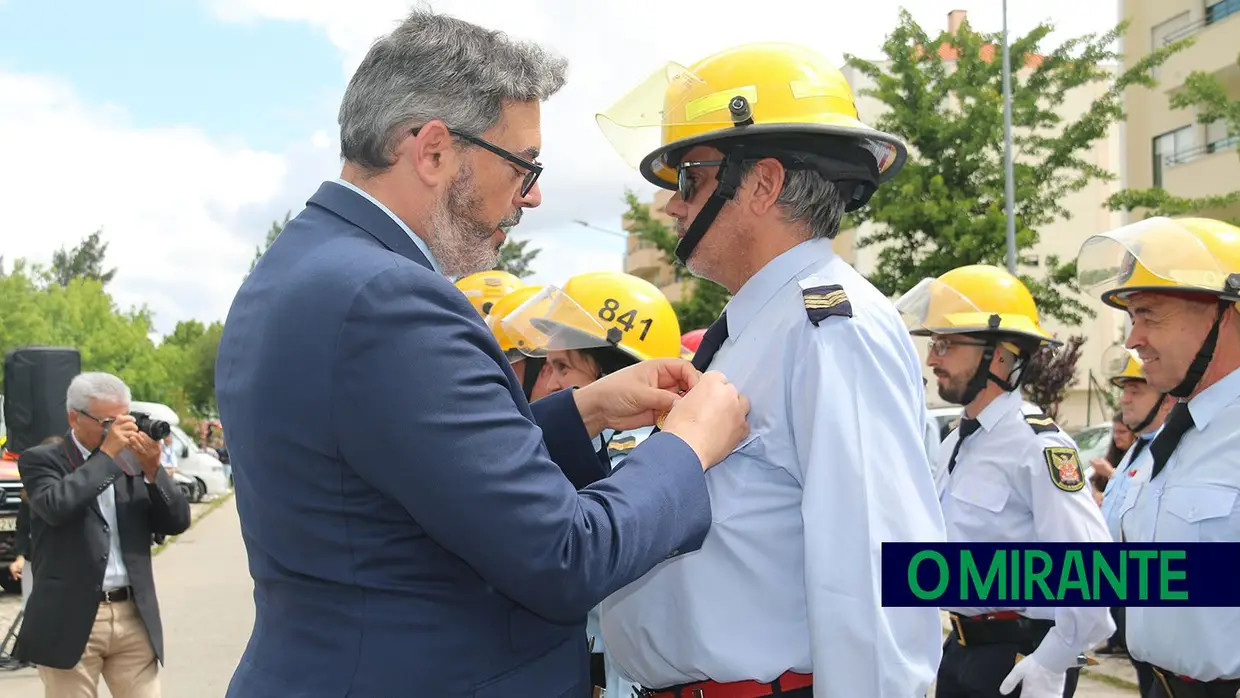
[
  {"x": 1179, "y": 282},
  {"x": 765, "y": 151},
  {"x": 485, "y": 287},
  {"x": 596, "y": 324},
  {"x": 1007, "y": 474}
]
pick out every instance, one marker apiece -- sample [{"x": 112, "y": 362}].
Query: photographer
[{"x": 102, "y": 489}]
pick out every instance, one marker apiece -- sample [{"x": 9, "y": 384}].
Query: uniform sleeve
[
  {"x": 1064, "y": 512},
  {"x": 858, "y": 436}
]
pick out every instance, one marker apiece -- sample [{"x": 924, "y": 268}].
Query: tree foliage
[
  {"x": 273, "y": 232},
  {"x": 1207, "y": 95},
  {"x": 1050, "y": 373},
  {"x": 704, "y": 300},
  {"x": 515, "y": 259},
  {"x": 84, "y": 261},
  {"x": 946, "y": 208}
]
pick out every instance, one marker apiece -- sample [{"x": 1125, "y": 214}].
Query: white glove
[{"x": 1035, "y": 680}]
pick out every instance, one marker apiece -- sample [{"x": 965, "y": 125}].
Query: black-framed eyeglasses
[
  {"x": 533, "y": 168},
  {"x": 684, "y": 183},
  {"x": 939, "y": 346},
  {"x": 105, "y": 423}
]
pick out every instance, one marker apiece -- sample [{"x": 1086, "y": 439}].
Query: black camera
[{"x": 154, "y": 428}]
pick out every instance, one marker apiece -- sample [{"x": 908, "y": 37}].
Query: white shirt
[
  {"x": 115, "y": 575},
  {"x": 1195, "y": 498},
  {"x": 426, "y": 250},
  {"x": 788, "y": 577},
  {"x": 1002, "y": 491}
]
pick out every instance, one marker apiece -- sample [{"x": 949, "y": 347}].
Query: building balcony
[
  {"x": 1210, "y": 170},
  {"x": 644, "y": 261},
  {"x": 1215, "y": 38}
]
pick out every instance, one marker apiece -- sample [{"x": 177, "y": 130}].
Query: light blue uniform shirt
[
  {"x": 1195, "y": 498},
  {"x": 1117, "y": 486},
  {"x": 619, "y": 446},
  {"x": 834, "y": 464},
  {"x": 416, "y": 240}
]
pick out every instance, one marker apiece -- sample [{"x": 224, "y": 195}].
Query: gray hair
[
  {"x": 86, "y": 388},
  {"x": 435, "y": 66},
  {"x": 810, "y": 199}
]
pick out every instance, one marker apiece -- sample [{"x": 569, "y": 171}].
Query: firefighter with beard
[
  {"x": 1179, "y": 282},
  {"x": 1007, "y": 474},
  {"x": 596, "y": 324}
]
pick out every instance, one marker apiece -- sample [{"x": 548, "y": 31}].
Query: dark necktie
[
  {"x": 711, "y": 341},
  {"x": 1178, "y": 423},
  {"x": 967, "y": 427},
  {"x": 1137, "y": 448}
]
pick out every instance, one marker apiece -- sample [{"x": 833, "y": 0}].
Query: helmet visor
[
  {"x": 935, "y": 307},
  {"x": 552, "y": 321},
  {"x": 1115, "y": 361},
  {"x": 1149, "y": 253}
]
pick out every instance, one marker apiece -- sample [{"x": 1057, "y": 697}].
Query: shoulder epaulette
[
  {"x": 621, "y": 445},
  {"x": 824, "y": 300},
  {"x": 1041, "y": 424}
]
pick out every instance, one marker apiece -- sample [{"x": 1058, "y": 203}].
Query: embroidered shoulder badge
[
  {"x": 824, "y": 300},
  {"x": 1041, "y": 424},
  {"x": 621, "y": 445},
  {"x": 1065, "y": 468}
]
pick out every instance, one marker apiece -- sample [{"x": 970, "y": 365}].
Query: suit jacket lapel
[
  {"x": 76, "y": 460},
  {"x": 355, "y": 209}
]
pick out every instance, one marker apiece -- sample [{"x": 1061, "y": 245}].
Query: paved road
[{"x": 206, "y": 597}]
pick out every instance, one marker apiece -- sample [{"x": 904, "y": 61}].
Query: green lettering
[
  {"x": 1037, "y": 577},
  {"x": 1102, "y": 568},
  {"x": 1015, "y": 576},
  {"x": 1074, "y": 566},
  {"x": 1143, "y": 557},
  {"x": 1165, "y": 557},
  {"x": 970, "y": 577},
  {"x": 944, "y": 576}
]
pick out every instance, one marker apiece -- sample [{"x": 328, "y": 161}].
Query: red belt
[{"x": 735, "y": 689}]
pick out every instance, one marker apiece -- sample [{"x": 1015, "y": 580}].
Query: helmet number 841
[{"x": 610, "y": 312}]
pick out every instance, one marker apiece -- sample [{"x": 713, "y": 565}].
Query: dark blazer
[
  {"x": 70, "y": 545},
  {"x": 413, "y": 525},
  {"x": 21, "y": 537}
]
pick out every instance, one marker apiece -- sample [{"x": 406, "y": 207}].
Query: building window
[
  {"x": 1171, "y": 148},
  {"x": 1221, "y": 10},
  {"x": 1218, "y": 138},
  {"x": 1165, "y": 33}
]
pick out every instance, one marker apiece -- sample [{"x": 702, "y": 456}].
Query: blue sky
[{"x": 184, "y": 127}]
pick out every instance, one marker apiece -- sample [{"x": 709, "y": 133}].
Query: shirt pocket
[
  {"x": 1199, "y": 513},
  {"x": 732, "y": 479},
  {"x": 978, "y": 501}
]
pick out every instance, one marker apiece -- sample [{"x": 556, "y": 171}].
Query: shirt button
[{"x": 106, "y": 529}]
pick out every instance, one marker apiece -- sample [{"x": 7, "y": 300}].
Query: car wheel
[
  {"x": 202, "y": 489},
  {"x": 187, "y": 490}
]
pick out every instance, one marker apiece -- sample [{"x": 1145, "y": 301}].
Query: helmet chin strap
[
  {"x": 530, "y": 368},
  {"x": 983, "y": 374},
  {"x": 1149, "y": 417},
  {"x": 1205, "y": 355},
  {"x": 729, "y": 180}
]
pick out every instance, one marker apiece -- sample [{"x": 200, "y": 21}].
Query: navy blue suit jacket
[{"x": 410, "y": 527}]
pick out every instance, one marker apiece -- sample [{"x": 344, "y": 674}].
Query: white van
[{"x": 200, "y": 464}]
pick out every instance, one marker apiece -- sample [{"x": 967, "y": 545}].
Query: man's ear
[
  {"x": 764, "y": 183},
  {"x": 431, "y": 151}
]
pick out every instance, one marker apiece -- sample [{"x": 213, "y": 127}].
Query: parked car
[
  {"x": 10, "y": 499},
  {"x": 202, "y": 465},
  {"x": 947, "y": 417}
]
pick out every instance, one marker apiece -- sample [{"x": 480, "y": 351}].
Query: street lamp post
[
  {"x": 1008, "y": 178},
  {"x": 616, "y": 233}
]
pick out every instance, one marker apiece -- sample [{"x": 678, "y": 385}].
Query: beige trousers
[{"x": 118, "y": 648}]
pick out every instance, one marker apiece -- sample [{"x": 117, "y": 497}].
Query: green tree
[
  {"x": 705, "y": 299},
  {"x": 515, "y": 259},
  {"x": 946, "y": 208},
  {"x": 1206, "y": 94},
  {"x": 191, "y": 350},
  {"x": 273, "y": 232},
  {"x": 85, "y": 261}
]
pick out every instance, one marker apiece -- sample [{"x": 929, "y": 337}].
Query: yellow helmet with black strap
[
  {"x": 983, "y": 301},
  {"x": 756, "y": 101},
  {"x": 1186, "y": 256},
  {"x": 1122, "y": 366},
  {"x": 485, "y": 287}
]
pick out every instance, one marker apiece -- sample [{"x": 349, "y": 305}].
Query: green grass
[{"x": 215, "y": 504}]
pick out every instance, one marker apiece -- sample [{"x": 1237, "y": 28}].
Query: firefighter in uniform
[
  {"x": 763, "y": 146},
  {"x": 596, "y": 324},
  {"x": 1143, "y": 409},
  {"x": 1179, "y": 282},
  {"x": 529, "y": 363},
  {"x": 1007, "y": 474},
  {"x": 485, "y": 287}
]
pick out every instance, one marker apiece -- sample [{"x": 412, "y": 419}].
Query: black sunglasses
[
  {"x": 684, "y": 183},
  {"x": 105, "y": 423},
  {"x": 532, "y": 168}
]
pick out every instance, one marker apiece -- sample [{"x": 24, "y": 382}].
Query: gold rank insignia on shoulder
[
  {"x": 824, "y": 300},
  {"x": 621, "y": 445},
  {"x": 1064, "y": 465},
  {"x": 1041, "y": 424}
]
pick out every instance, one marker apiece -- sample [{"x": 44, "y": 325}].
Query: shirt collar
[
  {"x": 1212, "y": 400},
  {"x": 416, "y": 240},
  {"x": 82, "y": 449},
  {"x": 998, "y": 408},
  {"x": 761, "y": 287}
]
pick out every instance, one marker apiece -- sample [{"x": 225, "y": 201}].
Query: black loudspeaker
[{"x": 36, "y": 380}]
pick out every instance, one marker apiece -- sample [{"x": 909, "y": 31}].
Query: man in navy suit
[{"x": 414, "y": 527}]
